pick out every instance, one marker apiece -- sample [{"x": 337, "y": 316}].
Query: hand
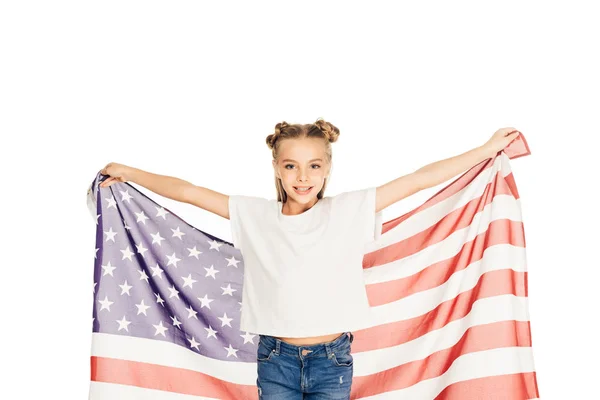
[
  {"x": 500, "y": 139},
  {"x": 117, "y": 172}
]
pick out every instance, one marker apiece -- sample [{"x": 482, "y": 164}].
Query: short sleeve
[
  {"x": 359, "y": 207},
  {"x": 234, "y": 220},
  {"x": 374, "y": 220},
  {"x": 247, "y": 216}
]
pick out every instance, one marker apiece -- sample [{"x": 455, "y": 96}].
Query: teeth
[{"x": 302, "y": 190}]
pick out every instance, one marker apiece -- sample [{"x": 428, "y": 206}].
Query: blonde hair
[{"x": 319, "y": 129}]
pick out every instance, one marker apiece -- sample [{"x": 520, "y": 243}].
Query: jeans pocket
[
  {"x": 342, "y": 357},
  {"x": 264, "y": 352}
]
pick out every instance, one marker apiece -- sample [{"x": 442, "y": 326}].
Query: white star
[
  {"x": 176, "y": 322},
  {"x": 96, "y": 253},
  {"x": 174, "y": 292},
  {"x": 141, "y": 217},
  {"x": 232, "y": 261},
  {"x": 178, "y": 233},
  {"x": 141, "y": 249},
  {"x": 142, "y": 308},
  {"x": 194, "y": 252},
  {"x": 240, "y": 303},
  {"x": 143, "y": 275},
  {"x": 125, "y": 288},
  {"x": 94, "y": 289},
  {"x": 228, "y": 290},
  {"x": 188, "y": 281},
  {"x": 211, "y": 332},
  {"x": 211, "y": 272},
  {"x": 172, "y": 260},
  {"x": 248, "y": 338},
  {"x": 123, "y": 324},
  {"x": 160, "y": 329},
  {"x": 156, "y": 238},
  {"x": 191, "y": 312},
  {"x": 225, "y": 320},
  {"x": 105, "y": 303},
  {"x": 108, "y": 269},
  {"x": 157, "y": 271},
  {"x": 126, "y": 226},
  {"x": 127, "y": 254},
  {"x": 161, "y": 212},
  {"x": 110, "y": 235},
  {"x": 231, "y": 351},
  {"x": 193, "y": 343},
  {"x": 214, "y": 244},
  {"x": 159, "y": 299},
  {"x": 205, "y": 301},
  {"x": 126, "y": 196},
  {"x": 111, "y": 202},
  {"x": 97, "y": 216}
]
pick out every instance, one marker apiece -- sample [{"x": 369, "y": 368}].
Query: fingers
[{"x": 107, "y": 182}]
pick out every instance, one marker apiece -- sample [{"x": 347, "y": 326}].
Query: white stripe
[
  {"x": 165, "y": 353},
  {"x": 432, "y": 215},
  {"x": 447, "y": 248},
  {"x": 485, "y": 311},
  {"x": 509, "y": 360},
  {"x": 112, "y": 391},
  {"x": 498, "y": 257}
]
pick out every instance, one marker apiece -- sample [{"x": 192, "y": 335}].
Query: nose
[{"x": 301, "y": 176}]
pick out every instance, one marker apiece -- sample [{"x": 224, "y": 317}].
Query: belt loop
[
  {"x": 351, "y": 336},
  {"x": 328, "y": 350},
  {"x": 277, "y": 345}
]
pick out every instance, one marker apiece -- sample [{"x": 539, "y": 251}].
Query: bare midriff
[{"x": 308, "y": 341}]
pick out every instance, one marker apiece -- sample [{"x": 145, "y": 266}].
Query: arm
[
  {"x": 428, "y": 176},
  {"x": 180, "y": 190},
  {"x": 440, "y": 171}
]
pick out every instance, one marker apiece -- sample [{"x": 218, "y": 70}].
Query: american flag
[{"x": 447, "y": 285}]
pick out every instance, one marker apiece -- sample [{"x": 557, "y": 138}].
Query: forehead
[{"x": 302, "y": 150}]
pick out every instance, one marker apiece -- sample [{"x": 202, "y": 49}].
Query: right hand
[{"x": 117, "y": 172}]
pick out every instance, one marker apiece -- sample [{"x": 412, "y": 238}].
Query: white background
[{"x": 191, "y": 90}]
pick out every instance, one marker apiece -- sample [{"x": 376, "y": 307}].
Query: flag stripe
[
  {"x": 112, "y": 391},
  {"x": 518, "y": 385},
  {"x": 178, "y": 380}
]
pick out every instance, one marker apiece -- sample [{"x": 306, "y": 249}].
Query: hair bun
[
  {"x": 272, "y": 138},
  {"x": 331, "y": 131}
]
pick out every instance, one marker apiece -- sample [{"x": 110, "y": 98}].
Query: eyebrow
[{"x": 314, "y": 159}]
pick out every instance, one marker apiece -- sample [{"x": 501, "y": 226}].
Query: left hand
[{"x": 500, "y": 139}]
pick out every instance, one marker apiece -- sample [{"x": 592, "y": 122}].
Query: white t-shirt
[{"x": 303, "y": 273}]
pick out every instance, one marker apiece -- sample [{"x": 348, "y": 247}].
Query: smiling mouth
[{"x": 303, "y": 190}]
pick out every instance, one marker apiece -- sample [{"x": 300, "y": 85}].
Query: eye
[
  {"x": 316, "y": 165},
  {"x": 287, "y": 165}
]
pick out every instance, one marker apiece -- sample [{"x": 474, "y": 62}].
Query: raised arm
[
  {"x": 170, "y": 187},
  {"x": 440, "y": 171}
]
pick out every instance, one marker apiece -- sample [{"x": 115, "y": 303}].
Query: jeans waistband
[{"x": 279, "y": 346}]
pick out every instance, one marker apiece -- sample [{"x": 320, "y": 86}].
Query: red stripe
[
  {"x": 453, "y": 221},
  {"x": 520, "y": 386},
  {"x": 478, "y": 338},
  {"x": 493, "y": 283},
  {"x": 171, "y": 379},
  {"x": 501, "y": 231}
]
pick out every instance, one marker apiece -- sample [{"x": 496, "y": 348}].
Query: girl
[{"x": 303, "y": 280}]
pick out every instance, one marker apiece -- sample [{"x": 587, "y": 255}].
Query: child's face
[{"x": 302, "y": 163}]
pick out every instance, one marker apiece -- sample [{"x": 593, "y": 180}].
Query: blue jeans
[{"x": 317, "y": 372}]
